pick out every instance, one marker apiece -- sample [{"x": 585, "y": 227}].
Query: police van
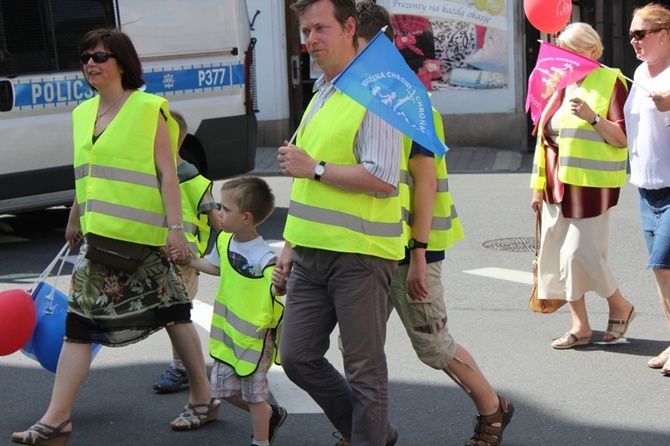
[{"x": 197, "y": 53}]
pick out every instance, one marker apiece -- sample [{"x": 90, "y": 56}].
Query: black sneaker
[
  {"x": 276, "y": 420},
  {"x": 171, "y": 380}
]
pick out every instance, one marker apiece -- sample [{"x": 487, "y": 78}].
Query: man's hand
[{"x": 295, "y": 162}]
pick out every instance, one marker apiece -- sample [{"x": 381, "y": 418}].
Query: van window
[{"x": 39, "y": 36}]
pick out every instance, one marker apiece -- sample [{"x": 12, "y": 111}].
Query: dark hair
[
  {"x": 342, "y": 10},
  {"x": 251, "y": 194},
  {"x": 372, "y": 18},
  {"x": 119, "y": 44}
]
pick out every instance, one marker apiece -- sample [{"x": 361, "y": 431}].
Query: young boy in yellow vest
[
  {"x": 200, "y": 217},
  {"x": 246, "y": 310}
]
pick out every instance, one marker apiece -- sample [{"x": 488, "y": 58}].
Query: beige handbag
[{"x": 541, "y": 305}]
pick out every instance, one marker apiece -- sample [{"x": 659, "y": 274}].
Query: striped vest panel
[{"x": 116, "y": 184}]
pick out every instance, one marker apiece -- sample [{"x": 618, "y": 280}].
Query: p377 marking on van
[{"x": 40, "y": 92}]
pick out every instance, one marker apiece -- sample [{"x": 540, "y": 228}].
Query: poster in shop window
[{"x": 453, "y": 44}]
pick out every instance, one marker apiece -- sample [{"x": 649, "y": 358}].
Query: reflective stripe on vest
[
  {"x": 324, "y": 217},
  {"x": 196, "y": 224},
  {"x": 244, "y": 310},
  {"x": 445, "y": 226},
  {"x": 585, "y": 159},
  {"x": 116, "y": 183}
]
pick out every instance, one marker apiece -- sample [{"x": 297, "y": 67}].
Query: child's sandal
[
  {"x": 489, "y": 429},
  {"x": 43, "y": 434},
  {"x": 195, "y": 416}
]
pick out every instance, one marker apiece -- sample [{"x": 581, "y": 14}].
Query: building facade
[{"x": 474, "y": 56}]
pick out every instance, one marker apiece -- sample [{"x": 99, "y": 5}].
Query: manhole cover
[{"x": 514, "y": 244}]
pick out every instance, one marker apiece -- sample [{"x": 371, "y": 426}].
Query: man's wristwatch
[
  {"x": 175, "y": 227},
  {"x": 414, "y": 244},
  {"x": 596, "y": 120},
  {"x": 319, "y": 170}
]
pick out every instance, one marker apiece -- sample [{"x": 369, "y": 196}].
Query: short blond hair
[
  {"x": 183, "y": 128},
  {"x": 580, "y": 37}
]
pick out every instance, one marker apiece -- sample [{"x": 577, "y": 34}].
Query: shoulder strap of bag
[{"x": 538, "y": 230}]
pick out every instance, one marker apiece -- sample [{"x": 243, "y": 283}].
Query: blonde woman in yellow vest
[
  {"x": 201, "y": 217},
  {"x": 247, "y": 311},
  {"x": 126, "y": 188},
  {"x": 579, "y": 168}
]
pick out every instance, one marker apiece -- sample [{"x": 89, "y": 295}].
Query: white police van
[{"x": 196, "y": 53}]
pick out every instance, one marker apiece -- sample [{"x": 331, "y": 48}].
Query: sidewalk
[{"x": 459, "y": 160}]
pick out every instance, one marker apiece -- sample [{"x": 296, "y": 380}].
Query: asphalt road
[{"x": 596, "y": 395}]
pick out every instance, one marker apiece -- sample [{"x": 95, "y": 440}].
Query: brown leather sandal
[{"x": 489, "y": 429}]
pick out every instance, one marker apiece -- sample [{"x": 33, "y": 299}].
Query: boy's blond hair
[
  {"x": 251, "y": 194},
  {"x": 183, "y": 128}
]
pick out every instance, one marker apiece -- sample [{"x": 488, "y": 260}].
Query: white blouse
[{"x": 648, "y": 131}]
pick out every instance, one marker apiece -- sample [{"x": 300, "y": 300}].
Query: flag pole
[{"x": 625, "y": 77}]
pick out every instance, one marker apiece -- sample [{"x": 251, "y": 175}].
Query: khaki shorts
[{"x": 425, "y": 321}]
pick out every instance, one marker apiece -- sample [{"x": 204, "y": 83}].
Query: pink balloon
[
  {"x": 17, "y": 320},
  {"x": 548, "y": 16}
]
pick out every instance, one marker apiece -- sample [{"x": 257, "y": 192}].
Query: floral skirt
[{"x": 114, "y": 308}]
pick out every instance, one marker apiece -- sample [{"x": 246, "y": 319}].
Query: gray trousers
[{"x": 327, "y": 288}]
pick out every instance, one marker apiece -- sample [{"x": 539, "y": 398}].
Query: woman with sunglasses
[
  {"x": 579, "y": 168},
  {"x": 126, "y": 189},
  {"x": 648, "y": 121}
]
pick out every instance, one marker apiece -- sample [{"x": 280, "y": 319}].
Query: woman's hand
[
  {"x": 661, "y": 100},
  {"x": 536, "y": 200},
  {"x": 178, "y": 247},
  {"x": 582, "y": 110},
  {"x": 73, "y": 234}
]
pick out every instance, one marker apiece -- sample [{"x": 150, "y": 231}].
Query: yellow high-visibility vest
[
  {"x": 585, "y": 158},
  {"x": 446, "y": 227},
  {"x": 324, "y": 217},
  {"x": 196, "y": 224},
  {"x": 244, "y": 311},
  {"x": 116, "y": 184}
]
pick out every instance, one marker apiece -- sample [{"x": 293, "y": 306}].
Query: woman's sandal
[
  {"x": 569, "y": 340},
  {"x": 659, "y": 361},
  {"x": 617, "y": 328},
  {"x": 666, "y": 368},
  {"x": 489, "y": 429},
  {"x": 43, "y": 434},
  {"x": 195, "y": 416}
]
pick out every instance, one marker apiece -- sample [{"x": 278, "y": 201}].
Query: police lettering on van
[{"x": 197, "y": 54}]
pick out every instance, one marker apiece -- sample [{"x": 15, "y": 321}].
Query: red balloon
[
  {"x": 548, "y": 16},
  {"x": 17, "y": 320}
]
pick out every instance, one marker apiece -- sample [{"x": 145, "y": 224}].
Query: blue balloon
[{"x": 48, "y": 340}]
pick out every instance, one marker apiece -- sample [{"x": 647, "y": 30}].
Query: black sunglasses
[
  {"x": 99, "y": 57},
  {"x": 640, "y": 34}
]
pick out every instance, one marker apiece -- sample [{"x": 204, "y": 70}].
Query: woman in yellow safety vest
[
  {"x": 579, "y": 168},
  {"x": 126, "y": 190}
]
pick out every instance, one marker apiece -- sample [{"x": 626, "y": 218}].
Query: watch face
[
  {"x": 410, "y": 244},
  {"x": 319, "y": 169}
]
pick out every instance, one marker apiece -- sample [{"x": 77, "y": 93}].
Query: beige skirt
[{"x": 573, "y": 256}]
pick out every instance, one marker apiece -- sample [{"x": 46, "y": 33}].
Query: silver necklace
[{"x": 110, "y": 107}]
